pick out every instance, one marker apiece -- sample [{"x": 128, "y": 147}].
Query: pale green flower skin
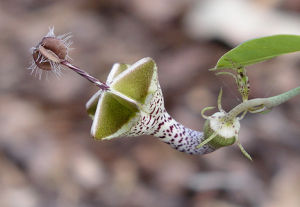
[{"x": 134, "y": 106}]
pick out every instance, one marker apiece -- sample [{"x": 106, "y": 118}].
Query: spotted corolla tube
[{"x": 134, "y": 106}]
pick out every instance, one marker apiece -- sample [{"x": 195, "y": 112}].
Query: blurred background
[{"x": 47, "y": 157}]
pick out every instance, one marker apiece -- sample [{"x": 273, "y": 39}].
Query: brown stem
[{"x": 84, "y": 74}]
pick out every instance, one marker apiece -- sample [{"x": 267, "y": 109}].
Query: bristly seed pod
[
  {"x": 52, "y": 53},
  {"x": 49, "y": 53}
]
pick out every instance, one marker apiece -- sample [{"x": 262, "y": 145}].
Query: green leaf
[{"x": 258, "y": 50}]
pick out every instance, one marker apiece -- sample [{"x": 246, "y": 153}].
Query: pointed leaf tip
[{"x": 258, "y": 50}]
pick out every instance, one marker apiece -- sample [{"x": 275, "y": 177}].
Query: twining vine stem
[{"x": 266, "y": 103}]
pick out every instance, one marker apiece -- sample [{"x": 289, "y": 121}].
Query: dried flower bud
[{"x": 49, "y": 53}]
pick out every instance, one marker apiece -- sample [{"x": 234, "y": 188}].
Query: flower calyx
[{"x": 221, "y": 130}]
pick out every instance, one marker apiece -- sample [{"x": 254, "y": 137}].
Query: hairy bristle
[{"x": 48, "y": 54}]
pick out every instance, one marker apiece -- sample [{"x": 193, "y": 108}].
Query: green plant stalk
[{"x": 267, "y": 103}]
